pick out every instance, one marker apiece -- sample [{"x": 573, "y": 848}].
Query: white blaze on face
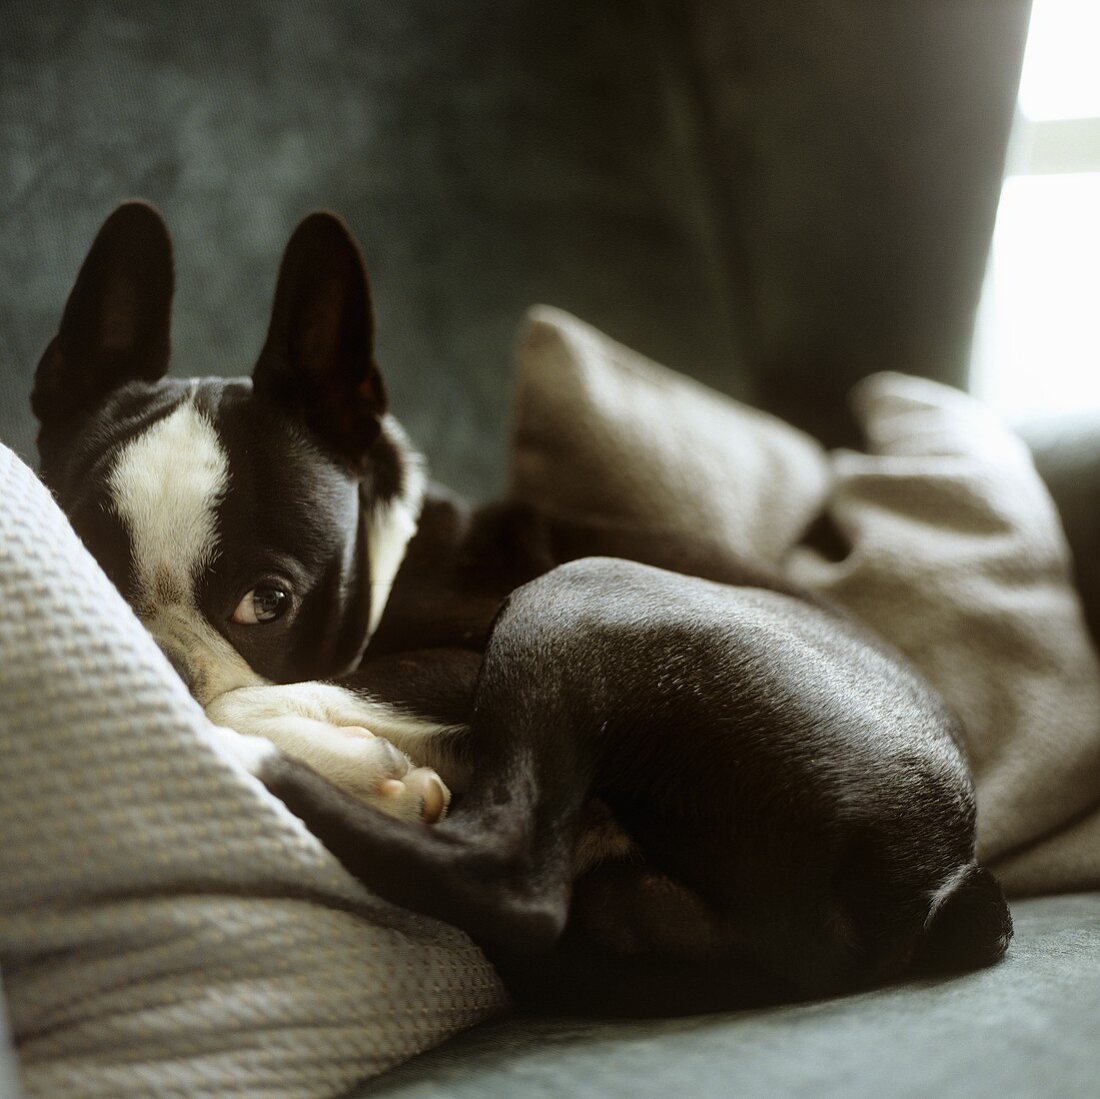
[{"x": 166, "y": 485}]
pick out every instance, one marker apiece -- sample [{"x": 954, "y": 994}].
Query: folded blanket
[
  {"x": 957, "y": 555},
  {"x": 166, "y": 927}
]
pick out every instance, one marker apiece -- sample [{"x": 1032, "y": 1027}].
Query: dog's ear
[
  {"x": 115, "y": 327},
  {"x": 319, "y": 356}
]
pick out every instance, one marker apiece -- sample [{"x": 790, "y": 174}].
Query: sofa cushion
[
  {"x": 1026, "y": 1027},
  {"x": 603, "y": 432}
]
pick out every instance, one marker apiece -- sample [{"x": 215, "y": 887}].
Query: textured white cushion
[
  {"x": 957, "y": 557},
  {"x": 166, "y": 927}
]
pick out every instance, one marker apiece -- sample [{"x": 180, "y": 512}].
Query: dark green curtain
[
  {"x": 857, "y": 148},
  {"x": 773, "y": 197}
]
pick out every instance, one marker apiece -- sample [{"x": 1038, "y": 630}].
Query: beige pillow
[
  {"x": 957, "y": 557},
  {"x": 601, "y": 431}
]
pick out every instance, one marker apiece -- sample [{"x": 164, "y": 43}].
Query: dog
[{"x": 644, "y": 777}]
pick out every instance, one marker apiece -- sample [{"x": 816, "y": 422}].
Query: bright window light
[
  {"x": 1037, "y": 341},
  {"x": 1061, "y": 77},
  {"x": 1040, "y": 325}
]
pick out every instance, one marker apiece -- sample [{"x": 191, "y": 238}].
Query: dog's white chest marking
[
  {"x": 166, "y": 485},
  {"x": 392, "y": 525}
]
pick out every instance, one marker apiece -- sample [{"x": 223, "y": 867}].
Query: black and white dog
[{"x": 677, "y": 784}]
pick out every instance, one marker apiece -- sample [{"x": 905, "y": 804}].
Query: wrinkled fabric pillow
[
  {"x": 957, "y": 555},
  {"x": 602, "y": 432},
  {"x": 958, "y": 558},
  {"x": 166, "y": 926}
]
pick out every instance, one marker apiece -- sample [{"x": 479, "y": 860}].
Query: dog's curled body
[
  {"x": 795, "y": 795},
  {"x": 675, "y": 783},
  {"x": 782, "y": 805}
]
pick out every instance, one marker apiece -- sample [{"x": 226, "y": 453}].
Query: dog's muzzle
[{"x": 202, "y": 658}]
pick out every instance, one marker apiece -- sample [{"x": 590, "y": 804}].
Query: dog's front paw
[
  {"x": 368, "y": 767},
  {"x": 374, "y": 771}
]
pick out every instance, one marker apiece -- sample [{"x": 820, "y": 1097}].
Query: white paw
[
  {"x": 374, "y": 771},
  {"x": 369, "y": 768}
]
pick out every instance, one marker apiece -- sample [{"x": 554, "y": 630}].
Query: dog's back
[{"x": 801, "y": 814}]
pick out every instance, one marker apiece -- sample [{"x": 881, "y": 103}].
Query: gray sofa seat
[{"x": 1028, "y": 1026}]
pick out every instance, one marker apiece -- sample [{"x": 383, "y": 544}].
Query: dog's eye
[{"x": 264, "y": 603}]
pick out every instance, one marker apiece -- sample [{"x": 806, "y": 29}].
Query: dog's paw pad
[
  {"x": 375, "y": 771},
  {"x": 434, "y": 797},
  {"x": 420, "y": 795}
]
